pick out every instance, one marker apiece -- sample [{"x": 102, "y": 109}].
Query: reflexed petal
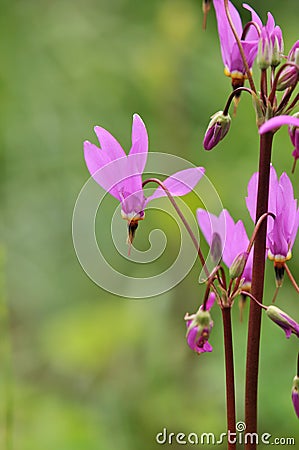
[
  {"x": 109, "y": 144},
  {"x": 139, "y": 142},
  {"x": 100, "y": 168},
  {"x": 226, "y": 36},
  {"x": 276, "y": 122},
  {"x": 180, "y": 183},
  {"x": 252, "y": 33}
]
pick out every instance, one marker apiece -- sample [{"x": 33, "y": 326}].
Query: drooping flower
[
  {"x": 121, "y": 175},
  {"x": 295, "y": 395},
  {"x": 249, "y": 37},
  {"x": 199, "y": 327},
  {"x": 233, "y": 63},
  {"x": 282, "y": 319},
  {"x": 217, "y": 130},
  {"x": 292, "y": 121},
  {"x": 281, "y": 232},
  {"x": 232, "y": 236}
]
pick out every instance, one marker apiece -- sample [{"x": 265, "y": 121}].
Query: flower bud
[
  {"x": 295, "y": 395},
  {"x": 289, "y": 75},
  {"x": 238, "y": 265},
  {"x": 265, "y": 51},
  {"x": 282, "y": 319},
  {"x": 277, "y": 46},
  {"x": 217, "y": 129}
]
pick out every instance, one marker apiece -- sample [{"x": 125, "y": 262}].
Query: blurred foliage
[{"x": 90, "y": 370}]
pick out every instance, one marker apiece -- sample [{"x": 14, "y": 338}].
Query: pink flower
[
  {"x": 281, "y": 232},
  {"x": 232, "y": 236},
  {"x": 121, "y": 175},
  {"x": 199, "y": 327}
]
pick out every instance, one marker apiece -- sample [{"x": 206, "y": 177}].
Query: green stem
[{"x": 257, "y": 289}]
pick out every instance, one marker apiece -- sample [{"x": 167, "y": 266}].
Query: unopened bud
[
  {"x": 289, "y": 76},
  {"x": 282, "y": 319},
  {"x": 217, "y": 129},
  {"x": 295, "y": 395},
  {"x": 277, "y": 46},
  {"x": 238, "y": 265},
  {"x": 265, "y": 51}
]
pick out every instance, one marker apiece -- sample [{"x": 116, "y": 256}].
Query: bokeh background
[{"x": 81, "y": 368}]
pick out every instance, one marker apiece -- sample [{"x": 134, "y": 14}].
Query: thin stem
[
  {"x": 298, "y": 365},
  {"x": 182, "y": 217},
  {"x": 247, "y": 26},
  {"x": 275, "y": 294},
  {"x": 247, "y": 70},
  {"x": 254, "y": 299},
  {"x": 264, "y": 87},
  {"x": 250, "y": 245},
  {"x": 284, "y": 101},
  {"x": 257, "y": 289},
  {"x": 292, "y": 105},
  {"x": 229, "y": 371},
  {"x": 292, "y": 279},
  {"x": 231, "y": 97}
]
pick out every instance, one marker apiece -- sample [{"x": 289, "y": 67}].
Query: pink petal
[
  {"x": 226, "y": 36},
  {"x": 277, "y": 122},
  {"x": 252, "y": 33},
  {"x": 139, "y": 142},
  {"x": 109, "y": 144},
  {"x": 180, "y": 183}
]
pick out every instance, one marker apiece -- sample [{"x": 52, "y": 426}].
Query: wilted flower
[
  {"x": 199, "y": 327},
  {"x": 295, "y": 395},
  {"x": 233, "y": 239},
  {"x": 282, "y": 319},
  {"x": 121, "y": 175},
  {"x": 217, "y": 129}
]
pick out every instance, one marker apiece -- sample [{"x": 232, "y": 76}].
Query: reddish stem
[
  {"x": 229, "y": 369},
  {"x": 257, "y": 289}
]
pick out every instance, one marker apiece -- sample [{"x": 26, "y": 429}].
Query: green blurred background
[{"x": 90, "y": 370}]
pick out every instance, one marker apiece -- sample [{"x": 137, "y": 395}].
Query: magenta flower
[
  {"x": 295, "y": 395},
  {"x": 233, "y": 238},
  {"x": 289, "y": 325},
  {"x": 293, "y": 123},
  {"x": 281, "y": 232},
  {"x": 233, "y": 63},
  {"x": 121, "y": 175},
  {"x": 199, "y": 327}
]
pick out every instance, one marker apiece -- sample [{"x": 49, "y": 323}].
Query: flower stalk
[{"x": 257, "y": 289}]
